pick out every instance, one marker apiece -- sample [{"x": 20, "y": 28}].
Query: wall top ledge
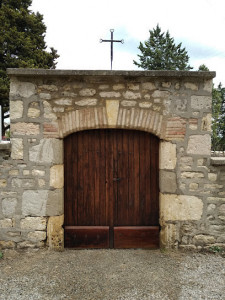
[
  {"x": 218, "y": 161},
  {"x": 162, "y": 73}
]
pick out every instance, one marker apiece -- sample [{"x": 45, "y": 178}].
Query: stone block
[
  {"x": 206, "y": 122},
  {"x": 24, "y": 183},
  {"x": 45, "y": 96},
  {"x": 22, "y": 128},
  {"x": 33, "y": 110},
  {"x": 9, "y": 207},
  {"x": 212, "y": 176},
  {"x": 208, "y": 85},
  {"x": 145, "y": 104},
  {"x": 6, "y": 223},
  {"x": 180, "y": 207},
  {"x": 17, "y": 148},
  {"x": 49, "y": 87},
  {"x": 34, "y": 203},
  {"x": 37, "y": 236},
  {"x": 48, "y": 112},
  {"x": 3, "y": 183},
  {"x": 87, "y": 92},
  {"x": 55, "y": 203},
  {"x": 191, "y": 86},
  {"x": 201, "y": 102},
  {"x": 202, "y": 240},
  {"x": 168, "y": 156},
  {"x": 192, "y": 175},
  {"x": 168, "y": 236},
  {"x": 131, "y": 95},
  {"x": 148, "y": 86},
  {"x": 133, "y": 86},
  {"x": 16, "y": 110},
  {"x": 57, "y": 176},
  {"x": 87, "y": 102},
  {"x": 29, "y": 244},
  {"x": 119, "y": 86},
  {"x": 33, "y": 223},
  {"x": 7, "y": 245},
  {"x": 63, "y": 101},
  {"x": 37, "y": 172},
  {"x": 48, "y": 151},
  {"x": 130, "y": 103},
  {"x": 167, "y": 182},
  {"x": 112, "y": 108},
  {"x": 199, "y": 144},
  {"x": 55, "y": 233},
  {"x": 110, "y": 94},
  {"x": 22, "y": 89},
  {"x": 161, "y": 94}
]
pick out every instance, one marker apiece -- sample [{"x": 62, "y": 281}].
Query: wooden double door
[{"x": 111, "y": 189}]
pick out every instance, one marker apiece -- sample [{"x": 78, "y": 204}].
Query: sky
[{"x": 74, "y": 29}]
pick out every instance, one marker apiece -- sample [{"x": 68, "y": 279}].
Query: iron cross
[{"x": 112, "y": 41}]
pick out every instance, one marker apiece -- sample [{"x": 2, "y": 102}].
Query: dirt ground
[{"x": 111, "y": 275}]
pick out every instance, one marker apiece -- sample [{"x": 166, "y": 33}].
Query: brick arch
[{"x": 103, "y": 117}]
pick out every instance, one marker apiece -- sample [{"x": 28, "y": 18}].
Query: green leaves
[
  {"x": 159, "y": 52},
  {"x": 22, "y": 43}
]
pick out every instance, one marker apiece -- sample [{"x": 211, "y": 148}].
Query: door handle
[{"x": 116, "y": 179}]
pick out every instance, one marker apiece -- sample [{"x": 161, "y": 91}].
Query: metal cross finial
[{"x": 112, "y": 41}]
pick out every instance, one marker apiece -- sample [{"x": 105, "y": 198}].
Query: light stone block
[
  {"x": 128, "y": 103},
  {"x": 9, "y": 207},
  {"x": 87, "y": 102},
  {"x": 148, "y": 86},
  {"x": 191, "y": 86},
  {"x": 180, "y": 207},
  {"x": 167, "y": 182},
  {"x": 110, "y": 94},
  {"x": 7, "y": 244},
  {"x": 3, "y": 183},
  {"x": 22, "y": 89},
  {"x": 6, "y": 223},
  {"x": 208, "y": 85},
  {"x": 49, "y": 87},
  {"x": 16, "y": 110},
  {"x": 33, "y": 223},
  {"x": 45, "y": 96},
  {"x": 55, "y": 202},
  {"x": 63, "y": 101},
  {"x": 206, "y": 123},
  {"x": 133, "y": 86},
  {"x": 37, "y": 172},
  {"x": 118, "y": 86},
  {"x": 16, "y": 148},
  {"x": 33, "y": 110},
  {"x": 145, "y": 104},
  {"x": 48, "y": 112},
  {"x": 201, "y": 102},
  {"x": 112, "y": 108},
  {"x": 199, "y": 144},
  {"x": 34, "y": 202},
  {"x": 48, "y": 151},
  {"x": 202, "y": 240},
  {"x": 22, "y": 128},
  {"x": 168, "y": 157},
  {"x": 57, "y": 176},
  {"x": 168, "y": 236},
  {"x": 55, "y": 233},
  {"x": 131, "y": 95},
  {"x": 37, "y": 236},
  {"x": 87, "y": 92},
  {"x": 160, "y": 94}
]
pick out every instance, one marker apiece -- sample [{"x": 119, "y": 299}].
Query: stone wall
[{"x": 47, "y": 105}]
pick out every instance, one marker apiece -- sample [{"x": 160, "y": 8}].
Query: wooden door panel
[
  {"x": 86, "y": 237},
  {"x": 136, "y": 237},
  {"x": 111, "y": 179}
]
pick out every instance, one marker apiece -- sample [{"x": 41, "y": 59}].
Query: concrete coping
[
  {"x": 217, "y": 161},
  {"x": 158, "y": 73}
]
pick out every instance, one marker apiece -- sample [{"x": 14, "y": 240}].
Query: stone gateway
[{"x": 48, "y": 107}]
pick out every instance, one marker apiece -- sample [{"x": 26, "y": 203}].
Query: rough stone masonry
[{"x": 48, "y": 105}]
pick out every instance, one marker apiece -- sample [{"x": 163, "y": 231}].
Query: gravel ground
[{"x": 111, "y": 275}]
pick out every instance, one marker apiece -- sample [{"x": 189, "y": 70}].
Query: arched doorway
[{"x": 111, "y": 189}]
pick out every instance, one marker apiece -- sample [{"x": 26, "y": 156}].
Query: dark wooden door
[{"x": 111, "y": 189}]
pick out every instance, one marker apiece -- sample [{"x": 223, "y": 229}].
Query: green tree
[
  {"x": 160, "y": 52},
  {"x": 203, "y": 68},
  {"x": 218, "y": 118},
  {"x": 22, "y": 43}
]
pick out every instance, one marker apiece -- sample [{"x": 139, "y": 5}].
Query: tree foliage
[
  {"x": 22, "y": 43},
  {"x": 160, "y": 52},
  {"x": 218, "y": 118}
]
